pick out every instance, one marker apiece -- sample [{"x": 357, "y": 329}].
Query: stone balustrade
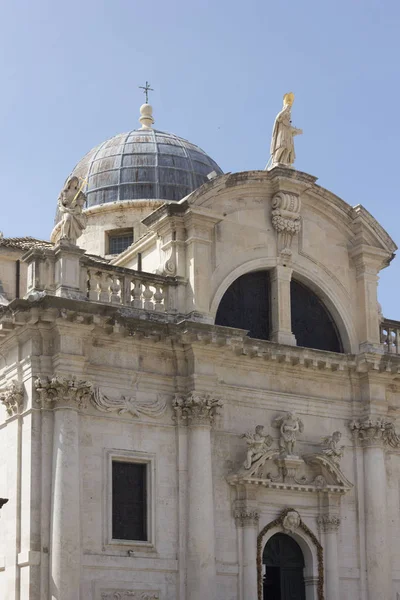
[
  {"x": 116, "y": 285},
  {"x": 66, "y": 271},
  {"x": 390, "y": 336}
]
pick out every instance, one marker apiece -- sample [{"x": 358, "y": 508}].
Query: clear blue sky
[{"x": 70, "y": 72}]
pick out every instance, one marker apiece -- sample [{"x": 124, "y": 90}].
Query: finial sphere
[{"x": 146, "y": 116}]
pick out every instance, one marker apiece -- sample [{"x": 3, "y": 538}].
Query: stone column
[
  {"x": 248, "y": 521},
  {"x": 373, "y": 436},
  {"x": 66, "y": 397},
  {"x": 329, "y": 524},
  {"x": 281, "y": 326},
  {"x": 198, "y": 412}
]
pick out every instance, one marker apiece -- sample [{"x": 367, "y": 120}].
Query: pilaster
[
  {"x": 247, "y": 520},
  {"x": 197, "y": 411},
  {"x": 281, "y": 329}
]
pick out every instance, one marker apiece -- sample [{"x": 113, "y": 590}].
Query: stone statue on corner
[
  {"x": 70, "y": 204},
  {"x": 282, "y": 145}
]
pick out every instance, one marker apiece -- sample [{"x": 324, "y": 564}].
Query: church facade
[{"x": 198, "y": 390}]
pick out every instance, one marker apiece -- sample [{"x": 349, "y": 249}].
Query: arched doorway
[{"x": 283, "y": 565}]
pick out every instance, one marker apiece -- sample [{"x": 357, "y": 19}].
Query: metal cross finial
[{"x": 146, "y": 89}]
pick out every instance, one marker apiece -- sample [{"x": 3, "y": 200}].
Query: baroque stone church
[{"x": 198, "y": 389}]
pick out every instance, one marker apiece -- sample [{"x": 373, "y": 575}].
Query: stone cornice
[
  {"x": 122, "y": 322},
  {"x": 196, "y": 408}
]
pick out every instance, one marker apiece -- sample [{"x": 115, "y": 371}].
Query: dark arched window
[
  {"x": 245, "y": 305},
  {"x": 312, "y": 325}
]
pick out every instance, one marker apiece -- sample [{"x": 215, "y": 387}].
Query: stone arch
[
  {"x": 331, "y": 294},
  {"x": 310, "y": 546}
]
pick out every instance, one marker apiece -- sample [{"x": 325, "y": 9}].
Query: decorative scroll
[
  {"x": 129, "y": 404},
  {"x": 285, "y": 217}
]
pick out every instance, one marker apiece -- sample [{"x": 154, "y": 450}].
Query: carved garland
[{"x": 320, "y": 554}]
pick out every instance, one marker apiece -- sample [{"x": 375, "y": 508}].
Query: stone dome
[{"x": 143, "y": 164}]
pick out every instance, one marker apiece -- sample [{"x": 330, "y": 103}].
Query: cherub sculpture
[
  {"x": 70, "y": 204},
  {"x": 257, "y": 445},
  {"x": 289, "y": 426},
  {"x": 332, "y": 448}
]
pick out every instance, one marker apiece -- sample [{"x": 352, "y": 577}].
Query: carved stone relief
[
  {"x": 329, "y": 523},
  {"x": 196, "y": 408},
  {"x": 244, "y": 517},
  {"x": 285, "y": 217},
  {"x": 375, "y": 432},
  {"x": 12, "y": 397},
  {"x": 125, "y": 594},
  {"x": 73, "y": 392}
]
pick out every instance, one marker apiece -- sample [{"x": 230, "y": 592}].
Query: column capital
[
  {"x": 63, "y": 392},
  {"x": 245, "y": 517},
  {"x": 328, "y": 523},
  {"x": 196, "y": 408},
  {"x": 375, "y": 432},
  {"x": 12, "y": 397}
]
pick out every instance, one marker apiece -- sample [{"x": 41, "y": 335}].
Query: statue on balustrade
[
  {"x": 282, "y": 144},
  {"x": 70, "y": 204}
]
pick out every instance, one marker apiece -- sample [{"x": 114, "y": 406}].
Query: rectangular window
[
  {"x": 118, "y": 242},
  {"x": 129, "y": 501}
]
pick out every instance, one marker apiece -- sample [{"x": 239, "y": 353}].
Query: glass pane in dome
[
  {"x": 194, "y": 155},
  {"x": 170, "y": 160},
  {"x": 169, "y": 149},
  {"x": 105, "y": 164},
  {"x": 173, "y": 192},
  {"x": 137, "y": 191},
  {"x": 199, "y": 180},
  {"x": 139, "y": 160},
  {"x": 140, "y": 174},
  {"x": 201, "y": 168},
  {"x": 139, "y": 138},
  {"x": 104, "y": 179},
  {"x": 176, "y": 176},
  {"x": 167, "y": 139},
  {"x": 139, "y": 148},
  {"x": 102, "y": 196},
  {"x": 104, "y": 152}
]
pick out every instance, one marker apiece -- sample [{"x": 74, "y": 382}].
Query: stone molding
[
  {"x": 246, "y": 518},
  {"x": 328, "y": 523},
  {"x": 285, "y": 217},
  {"x": 196, "y": 408},
  {"x": 12, "y": 397},
  {"x": 379, "y": 432},
  {"x": 278, "y": 522},
  {"x": 125, "y": 594},
  {"x": 63, "y": 392}
]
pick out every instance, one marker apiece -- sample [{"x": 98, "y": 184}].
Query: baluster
[
  {"x": 115, "y": 289},
  {"x": 397, "y": 341},
  {"x": 159, "y": 298},
  {"x": 137, "y": 293},
  {"x": 104, "y": 287},
  {"x": 148, "y": 297},
  {"x": 93, "y": 285}
]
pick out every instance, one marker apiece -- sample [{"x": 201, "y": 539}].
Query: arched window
[
  {"x": 245, "y": 305},
  {"x": 312, "y": 325},
  {"x": 283, "y": 563}
]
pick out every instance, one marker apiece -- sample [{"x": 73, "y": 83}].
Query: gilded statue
[
  {"x": 70, "y": 204},
  {"x": 282, "y": 144}
]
